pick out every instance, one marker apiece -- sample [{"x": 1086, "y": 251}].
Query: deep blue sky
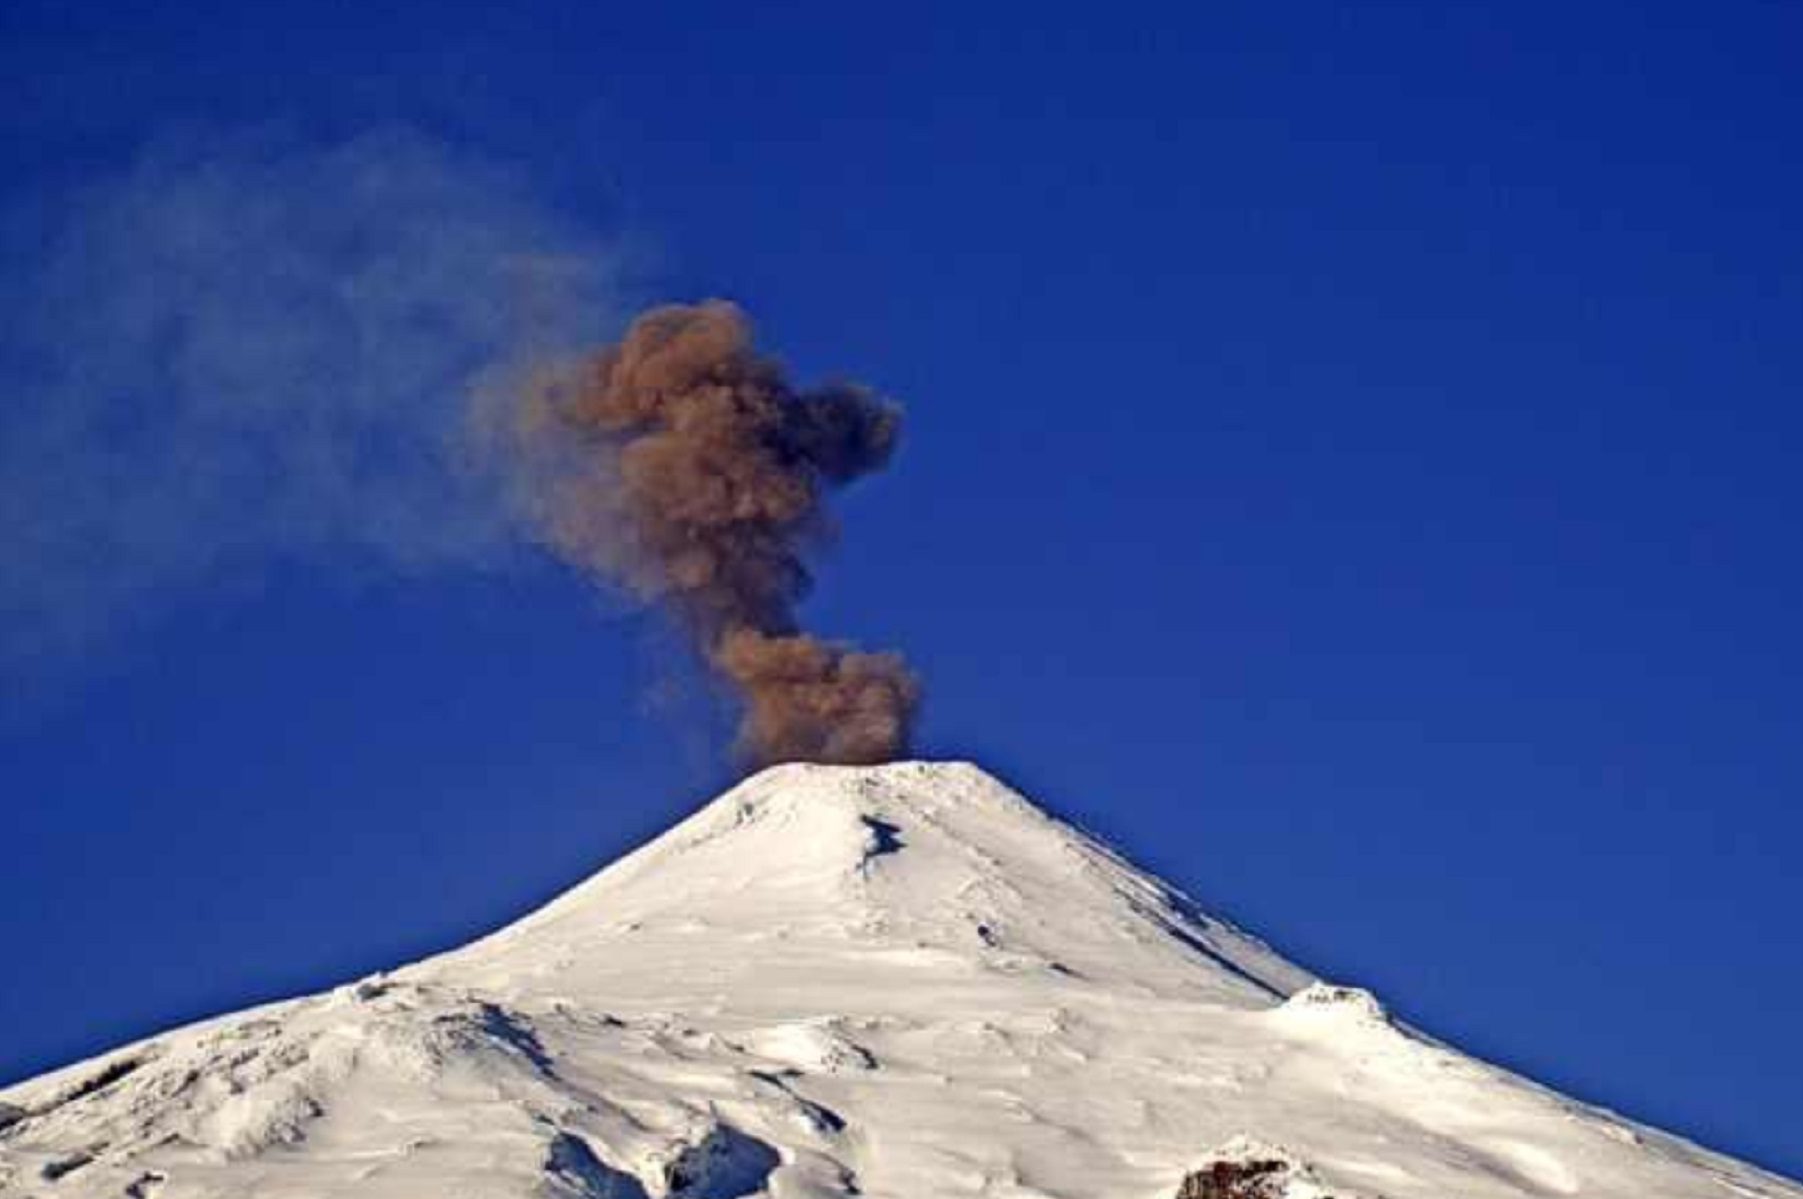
[{"x": 1352, "y": 464}]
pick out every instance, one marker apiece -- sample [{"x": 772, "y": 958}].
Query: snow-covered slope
[{"x": 899, "y": 981}]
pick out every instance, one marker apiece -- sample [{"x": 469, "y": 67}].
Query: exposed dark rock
[
  {"x": 1259, "y": 1179},
  {"x": 572, "y": 1162},
  {"x": 726, "y": 1164}
]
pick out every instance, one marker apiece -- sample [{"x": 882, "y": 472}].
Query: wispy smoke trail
[
  {"x": 235, "y": 355},
  {"x": 684, "y": 466},
  {"x": 241, "y": 355}
]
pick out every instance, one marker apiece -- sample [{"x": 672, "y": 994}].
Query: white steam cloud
[{"x": 233, "y": 356}]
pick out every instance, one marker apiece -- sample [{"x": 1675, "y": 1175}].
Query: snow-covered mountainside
[{"x": 903, "y": 981}]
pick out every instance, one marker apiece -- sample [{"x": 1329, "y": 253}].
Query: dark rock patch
[
  {"x": 574, "y": 1164},
  {"x": 1258, "y": 1179},
  {"x": 727, "y": 1164}
]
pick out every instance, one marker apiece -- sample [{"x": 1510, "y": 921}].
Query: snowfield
[{"x": 904, "y": 982}]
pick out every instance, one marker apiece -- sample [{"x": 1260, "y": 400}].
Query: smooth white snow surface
[{"x": 903, "y": 981}]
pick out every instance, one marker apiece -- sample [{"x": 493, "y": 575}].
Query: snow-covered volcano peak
[
  {"x": 894, "y": 981},
  {"x": 903, "y": 858}
]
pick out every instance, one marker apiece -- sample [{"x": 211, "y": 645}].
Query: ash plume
[
  {"x": 246, "y": 354},
  {"x": 683, "y": 466}
]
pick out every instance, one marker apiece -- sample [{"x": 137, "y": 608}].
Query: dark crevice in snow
[
  {"x": 885, "y": 837},
  {"x": 13, "y": 1118},
  {"x": 64, "y": 1166},
  {"x": 515, "y": 1033},
  {"x": 818, "y": 1116},
  {"x": 146, "y": 1185},
  {"x": 109, "y": 1074},
  {"x": 1228, "y": 964}
]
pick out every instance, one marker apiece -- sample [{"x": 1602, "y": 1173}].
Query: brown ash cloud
[{"x": 683, "y": 466}]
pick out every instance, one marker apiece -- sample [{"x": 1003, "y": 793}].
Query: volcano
[{"x": 897, "y": 981}]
